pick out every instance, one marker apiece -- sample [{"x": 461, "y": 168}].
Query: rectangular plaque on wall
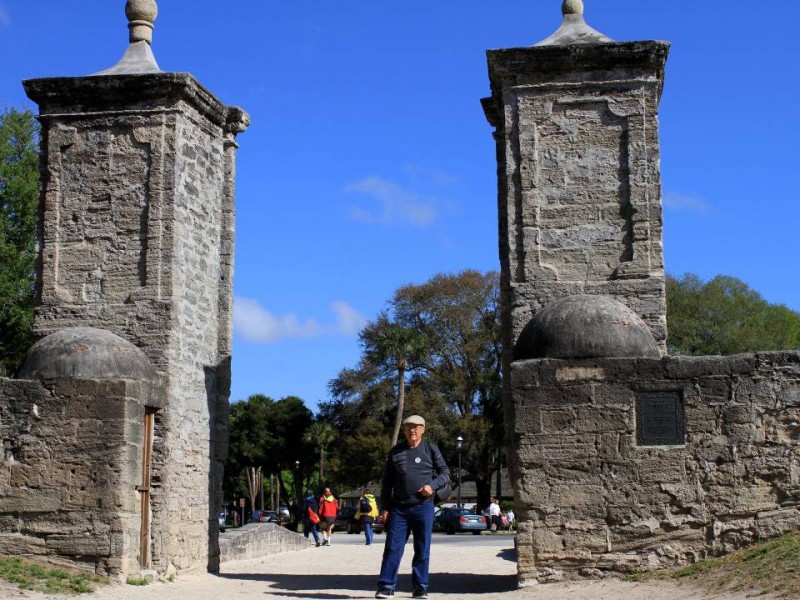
[{"x": 660, "y": 419}]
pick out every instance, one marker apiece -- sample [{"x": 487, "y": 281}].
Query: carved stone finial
[
  {"x": 574, "y": 30},
  {"x": 572, "y": 7},
  {"x": 141, "y": 14},
  {"x": 138, "y": 58}
]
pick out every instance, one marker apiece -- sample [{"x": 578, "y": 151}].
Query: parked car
[
  {"x": 346, "y": 522},
  {"x": 264, "y": 516},
  {"x": 452, "y": 520}
]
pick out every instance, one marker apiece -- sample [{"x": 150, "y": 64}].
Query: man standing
[
  {"x": 414, "y": 470},
  {"x": 494, "y": 515}
]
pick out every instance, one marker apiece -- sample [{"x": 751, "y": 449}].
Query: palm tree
[
  {"x": 390, "y": 344},
  {"x": 319, "y": 435}
]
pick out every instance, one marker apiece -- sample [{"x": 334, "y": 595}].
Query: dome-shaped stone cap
[
  {"x": 86, "y": 353},
  {"x": 585, "y": 326}
]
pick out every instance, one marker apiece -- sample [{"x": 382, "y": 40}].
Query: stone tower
[
  {"x": 136, "y": 237},
  {"x": 576, "y": 120},
  {"x": 621, "y": 458}
]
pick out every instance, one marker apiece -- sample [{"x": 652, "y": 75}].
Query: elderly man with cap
[{"x": 414, "y": 470}]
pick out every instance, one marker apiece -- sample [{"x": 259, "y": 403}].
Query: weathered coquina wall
[
  {"x": 592, "y": 499},
  {"x": 72, "y": 459},
  {"x": 136, "y": 238}
]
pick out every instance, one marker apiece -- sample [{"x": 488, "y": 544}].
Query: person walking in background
[
  {"x": 311, "y": 516},
  {"x": 367, "y": 513},
  {"x": 414, "y": 470},
  {"x": 328, "y": 509},
  {"x": 494, "y": 515}
]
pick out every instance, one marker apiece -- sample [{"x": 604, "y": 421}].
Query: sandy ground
[{"x": 348, "y": 569}]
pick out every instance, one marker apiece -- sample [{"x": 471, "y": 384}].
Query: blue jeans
[
  {"x": 309, "y": 527},
  {"x": 367, "y": 531},
  {"x": 416, "y": 519}
]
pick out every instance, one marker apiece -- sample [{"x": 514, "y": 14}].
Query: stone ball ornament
[
  {"x": 585, "y": 326},
  {"x": 141, "y": 15},
  {"x": 572, "y": 7},
  {"x": 86, "y": 353}
]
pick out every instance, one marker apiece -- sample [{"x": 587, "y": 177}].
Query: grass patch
[
  {"x": 31, "y": 576},
  {"x": 136, "y": 581},
  {"x": 768, "y": 568}
]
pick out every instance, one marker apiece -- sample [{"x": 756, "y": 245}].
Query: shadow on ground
[
  {"x": 509, "y": 554},
  {"x": 321, "y": 586}
]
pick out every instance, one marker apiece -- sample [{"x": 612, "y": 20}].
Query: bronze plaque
[{"x": 660, "y": 419}]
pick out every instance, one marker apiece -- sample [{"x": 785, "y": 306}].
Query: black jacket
[{"x": 408, "y": 469}]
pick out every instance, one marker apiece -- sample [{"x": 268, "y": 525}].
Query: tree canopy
[
  {"x": 452, "y": 364},
  {"x": 19, "y": 187},
  {"x": 725, "y": 316},
  {"x": 269, "y": 434}
]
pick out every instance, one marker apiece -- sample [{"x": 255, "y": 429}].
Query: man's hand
[
  {"x": 385, "y": 515},
  {"x": 426, "y": 491}
]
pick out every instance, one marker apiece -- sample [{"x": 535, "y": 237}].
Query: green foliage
[
  {"x": 725, "y": 316},
  {"x": 136, "y": 581},
  {"x": 19, "y": 185},
  {"x": 392, "y": 347},
  {"x": 269, "y": 434},
  {"x": 31, "y": 576},
  {"x": 320, "y": 436},
  {"x": 445, "y": 333}
]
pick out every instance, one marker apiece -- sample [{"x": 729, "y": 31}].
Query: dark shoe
[
  {"x": 318, "y": 544},
  {"x": 419, "y": 592},
  {"x": 384, "y": 593}
]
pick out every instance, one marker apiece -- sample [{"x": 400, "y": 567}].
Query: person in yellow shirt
[{"x": 367, "y": 513}]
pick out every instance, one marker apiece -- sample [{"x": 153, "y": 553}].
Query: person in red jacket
[{"x": 328, "y": 509}]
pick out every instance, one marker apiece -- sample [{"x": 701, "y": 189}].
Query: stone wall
[
  {"x": 593, "y": 500},
  {"x": 72, "y": 456},
  {"x": 259, "y": 539}
]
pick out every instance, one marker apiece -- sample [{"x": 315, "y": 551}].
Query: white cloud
[
  {"x": 433, "y": 175},
  {"x": 395, "y": 205},
  {"x": 348, "y": 320},
  {"x": 685, "y": 202},
  {"x": 252, "y": 322}
]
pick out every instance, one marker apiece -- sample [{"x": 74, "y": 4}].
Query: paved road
[{"x": 463, "y": 567}]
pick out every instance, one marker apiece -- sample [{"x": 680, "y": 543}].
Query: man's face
[{"x": 413, "y": 433}]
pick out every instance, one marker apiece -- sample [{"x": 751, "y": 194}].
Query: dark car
[
  {"x": 452, "y": 520},
  {"x": 264, "y": 516},
  {"x": 345, "y": 521}
]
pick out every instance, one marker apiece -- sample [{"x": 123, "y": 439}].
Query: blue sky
[{"x": 369, "y": 163}]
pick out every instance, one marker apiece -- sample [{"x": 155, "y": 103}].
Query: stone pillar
[
  {"x": 579, "y": 191},
  {"x": 579, "y": 204},
  {"x": 136, "y": 237}
]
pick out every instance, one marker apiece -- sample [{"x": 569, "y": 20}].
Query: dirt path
[{"x": 348, "y": 570}]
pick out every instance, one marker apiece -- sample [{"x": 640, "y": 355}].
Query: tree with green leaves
[
  {"x": 725, "y": 316},
  {"x": 391, "y": 346},
  {"x": 19, "y": 192},
  {"x": 267, "y": 434},
  {"x": 320, "y": 436},
  {"x": 454, "y": 383}
]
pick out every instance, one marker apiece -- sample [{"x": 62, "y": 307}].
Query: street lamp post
[
  {"x": 298, "y": 491},
  {"x": 459, "y": 442}
]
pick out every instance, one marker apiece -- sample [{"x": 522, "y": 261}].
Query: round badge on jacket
[{"x": 418, "y": 460}]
